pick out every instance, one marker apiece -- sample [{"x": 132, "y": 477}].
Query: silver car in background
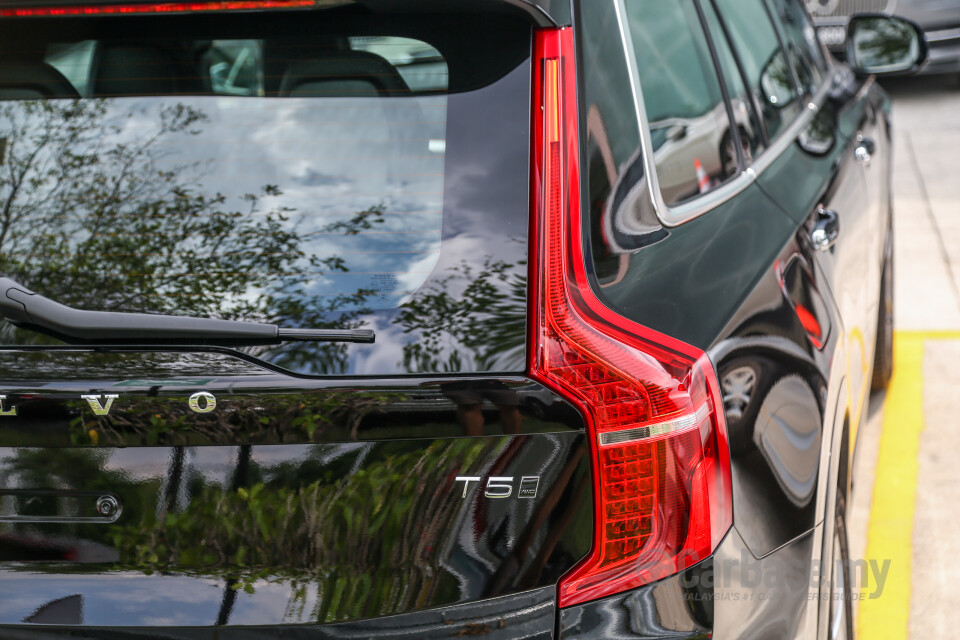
[{"x": 939, "y": 19}]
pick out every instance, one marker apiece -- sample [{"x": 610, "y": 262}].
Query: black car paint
[
  {"x": 717, "y": 282},
  {"x": 748, "y": 314},
  {"x": 384, "y": 454},
  {"x": 528, "y": 615}
]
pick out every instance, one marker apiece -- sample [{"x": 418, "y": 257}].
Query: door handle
[
  {"x": 865, "y": 149},
  {"x": 826, "y": 230}
]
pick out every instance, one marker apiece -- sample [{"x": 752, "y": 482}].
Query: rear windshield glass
[{"x": 319, "y": 168}]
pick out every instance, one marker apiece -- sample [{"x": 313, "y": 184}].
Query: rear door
[
  {"x": 324, "y": 167},
  {"x": 820, "y": 183}
]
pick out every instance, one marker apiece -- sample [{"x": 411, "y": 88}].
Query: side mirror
[
  {"x": 880, "y": 44},
  {"x": 776, "y": 83}
]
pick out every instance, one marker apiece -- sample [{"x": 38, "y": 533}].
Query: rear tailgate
[
  {"x": 291, "y": 501},
  {"x": 330, "y": 167}
]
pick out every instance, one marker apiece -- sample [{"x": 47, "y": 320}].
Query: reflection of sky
[
  {"x": 454, "y": 165},
  {"x": 331, "y": 158}
]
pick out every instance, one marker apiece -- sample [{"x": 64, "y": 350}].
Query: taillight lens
[{"x": 660, "y": 456}]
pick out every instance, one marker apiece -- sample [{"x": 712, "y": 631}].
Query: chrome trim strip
[
  {"x": 59, "y": 519},
  {"x": 867, "y": 85},
  {"x": 680, "y": 213},
  {"x": 683, "y": 423},
  {"x": 943, "y": 34},
  {"x": 645, "y": 142},
  {"x": 779, "y": 144},
  {"x": 108, "y": 518}
]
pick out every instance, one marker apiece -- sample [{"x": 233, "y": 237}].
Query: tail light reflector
[{"x": 660, "y": 456}]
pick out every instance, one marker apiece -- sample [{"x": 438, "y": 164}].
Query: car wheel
[
  {"x": 744, "y": 383},
  {"x": 883, "y": 351},
  {"x": 841, "y": 603}
]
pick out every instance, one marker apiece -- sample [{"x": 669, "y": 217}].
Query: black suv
[{"x": 436, "y": 318}]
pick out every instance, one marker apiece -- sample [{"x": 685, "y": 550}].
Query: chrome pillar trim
[
  {"x": 779, "y": 144},
  {"x": 943, "y": 34}
]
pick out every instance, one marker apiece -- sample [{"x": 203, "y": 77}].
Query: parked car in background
[
  {"x": 939, "y": 19},
  {"x": 333, "y": 319}
]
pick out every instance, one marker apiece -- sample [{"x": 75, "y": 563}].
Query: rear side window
[
  {"x": 306, "y": 168},
  {"x": 743, "y": 101},
  {"x": 688, "y": 119},
  {"x": 800, "y": 38},
  {"x": 767, "y": 70}
]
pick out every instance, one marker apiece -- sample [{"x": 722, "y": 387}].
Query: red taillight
[
  {"x": 153, "y": 7},
  {"x": 660, "y": 457}
]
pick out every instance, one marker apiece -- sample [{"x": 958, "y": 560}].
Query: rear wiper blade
[{"x": 29, "y": 310}]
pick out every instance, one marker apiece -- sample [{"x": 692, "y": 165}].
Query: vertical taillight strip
[{"x": 658, "y": 440}]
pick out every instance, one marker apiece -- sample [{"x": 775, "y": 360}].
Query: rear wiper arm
[{"x": 30, "y": 310}]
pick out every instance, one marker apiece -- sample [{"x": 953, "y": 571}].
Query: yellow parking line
[
  {"x": 945, "y": 334},
  {"x": 890, "y": 532}
]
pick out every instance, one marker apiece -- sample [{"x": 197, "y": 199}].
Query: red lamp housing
[{"x": 655, "y": 423}]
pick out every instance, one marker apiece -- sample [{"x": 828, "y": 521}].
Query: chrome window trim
[
  {"x": 779, "y": 144},
  {"x": 673, "y": 216},
  {"x": 943, "y": 34}
]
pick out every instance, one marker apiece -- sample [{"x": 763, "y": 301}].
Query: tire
[
  {"x": 744, "y": 383},
  {"x": 840, "y": 622},
  {"x": 883, "y": 349}
]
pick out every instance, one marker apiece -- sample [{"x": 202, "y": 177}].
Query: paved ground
[
  {"x": 927, "y": 200},
  {"x": 922, "y": 415}
]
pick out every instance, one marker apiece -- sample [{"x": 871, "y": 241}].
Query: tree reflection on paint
[{"x": 327, "y": 531}]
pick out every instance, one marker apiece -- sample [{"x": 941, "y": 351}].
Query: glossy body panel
[
  {"x": 557, "y": 10},
  {"x": 527, "y": 615},
  {"x": 827, "y": 175},
  {"x": 730, "y": 596},
  {"x": 773, "y": 597},
  {"x": 777, "y": 425},
  {"x": 397, "y": 506},
  {"x": 790, "y": 330},
  {"x": 301, "y": 531},
  {"x": 285, "y": 501},
  {"x": 254, "y": 407},
  {"x": 680, "y": 606},
  {"x": 875, "y": 137},
  {"x": 710, "y": 263}
]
